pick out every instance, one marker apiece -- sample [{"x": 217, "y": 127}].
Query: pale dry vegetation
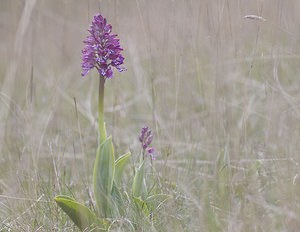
[{"x": 220, "y": 91}]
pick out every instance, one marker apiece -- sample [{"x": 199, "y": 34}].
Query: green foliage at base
[
  {"x": 81, "y": 215},
  {"x": 103, "y": 178}
]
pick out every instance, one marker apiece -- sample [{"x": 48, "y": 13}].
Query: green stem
[{"x": 101, "y": 129}]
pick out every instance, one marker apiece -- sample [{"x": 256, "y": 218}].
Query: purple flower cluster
[
  {"x": 102, "y": 49},
  {"x": 146, "y": 138}
]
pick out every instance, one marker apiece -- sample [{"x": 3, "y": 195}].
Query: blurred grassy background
[{"x": 220, "y": 91}]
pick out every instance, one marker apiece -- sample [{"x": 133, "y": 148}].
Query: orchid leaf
[
  {"x": 81, "y": 215},
  {"x": 103, "y": 177},
  {"x": 120, "y": 164},
  {"x": 137, "y": 186}
]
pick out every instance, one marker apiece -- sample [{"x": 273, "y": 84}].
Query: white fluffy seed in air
[{"x": 255, "y": 17}]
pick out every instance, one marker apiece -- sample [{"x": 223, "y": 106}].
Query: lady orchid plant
[{"x": 102, "y": 51}]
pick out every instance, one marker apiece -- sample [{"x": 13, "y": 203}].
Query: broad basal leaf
[
  {"x": 103, "y": 177},
  {"x": 120, "y": 164},
  {"x": 137, "y": 186},
  {"x": 81, "y": 215}
]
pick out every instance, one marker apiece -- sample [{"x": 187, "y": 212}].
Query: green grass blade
[
  {"x": 103, "y": 177},
  {"x": 120, "y": 164},
  {"x": 141, "y": 205},
  {"x": 118, "y": 201},
  {"x": 154, "y": 202}
]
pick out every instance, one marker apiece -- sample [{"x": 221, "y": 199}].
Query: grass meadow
[{"x": 220, "y": 91}]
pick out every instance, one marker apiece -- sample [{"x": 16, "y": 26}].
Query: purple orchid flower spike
[
  {"x": 146, "y": 138},
  {"x": 102, "y": 49}
]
